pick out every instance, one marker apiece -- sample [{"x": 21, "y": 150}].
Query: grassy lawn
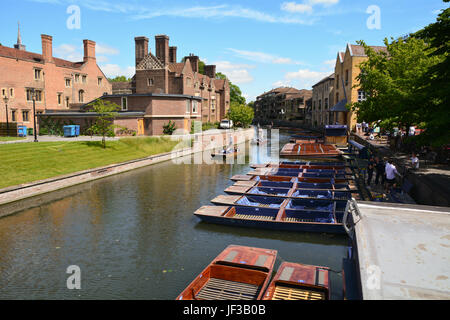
[
  {"x": 11, "y": 138},
  {"x": 27, "y": 162}
]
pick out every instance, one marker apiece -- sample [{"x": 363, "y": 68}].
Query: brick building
[
  {"x": 164, "y": 90},
  {"x": 346, "y": 89},
  {"x": 283, "y": 104},
  {"x": 58, "y": 84},
  {"x": 322, "y": 101}
]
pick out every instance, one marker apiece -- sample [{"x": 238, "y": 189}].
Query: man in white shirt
[
  {"x": 414, "y": 162},
  {"x": 391, "y": 171}
]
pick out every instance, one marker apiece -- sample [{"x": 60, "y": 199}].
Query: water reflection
[{"x": 134, "y": 236}]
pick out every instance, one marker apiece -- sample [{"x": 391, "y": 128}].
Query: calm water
[{"x": 134, "y": 236}]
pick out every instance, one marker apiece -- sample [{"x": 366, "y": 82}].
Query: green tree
[
  {"x": 169, "y": 128},
  {"x": 241, "y": 114},
  {"x": 104, "y": 122},
  {"x": 391, "y": 80},
  {"x": 119, "y": 79},
  {"x": 235, "y": 91},
  {"x": 435, "y": 83}
]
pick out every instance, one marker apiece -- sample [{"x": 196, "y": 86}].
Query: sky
[{"x": 259, "y": 45}]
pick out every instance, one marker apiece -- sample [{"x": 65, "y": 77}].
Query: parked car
[{"x": 226, "y": 124}]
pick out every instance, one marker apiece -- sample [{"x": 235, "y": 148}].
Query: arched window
[{"x": 81, "y": 96}]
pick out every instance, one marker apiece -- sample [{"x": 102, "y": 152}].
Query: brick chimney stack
[
  {"x": 194, "y": 61},
  {"x": 162, "y": 48},
  {"x": 210, "y": 71},
  {"x": 173, "y": 54},
  {"x": 89, "y": 50},
  {"x": 141, "y": 48},
  {"x": 47, "y": 47}
]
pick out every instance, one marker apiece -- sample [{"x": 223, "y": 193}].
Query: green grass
[
  {"x": 27, "y": 162},
  {"x": 11, "y": 138}
]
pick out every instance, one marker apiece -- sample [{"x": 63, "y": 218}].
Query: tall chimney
[
  {"x": 47, "y": 50},
  {"x": 89, "y": 50},
  {"x": 194, "y": 62},
  {"x": 162, "y": 48},
  {"x": 173, "y": 54},
  {"x": 141, "y": 47},
  {"x": 210, "y": 71}
]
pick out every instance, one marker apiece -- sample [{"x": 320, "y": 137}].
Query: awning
[{"x": 340, "y": 106}]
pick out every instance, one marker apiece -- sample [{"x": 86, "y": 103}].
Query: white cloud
[
  {"x": 68, "y": 52},
  {"x": 237, "y": 73},
  {"x": 263, "y": 57},
  {"x": 323, "y": 2},
  {"x": 306, "y": 6},
  {"x": 330, "y": 63},
  {"x": 114, "y": 70},
  {"x": 303, "y": 78},
  {"x": 104, "y": 49}
]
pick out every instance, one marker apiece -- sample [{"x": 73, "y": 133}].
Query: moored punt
[
  {"x": 295, "y": 281},
  {"x": 238, "y": 273},
  {"x": 274, "y": 219},
  {"x": 310, "y": 150},
  {"x": 277, "y": 202},
  {"x": 257, "y": 178},
  {"x": 224, "y": 154}
]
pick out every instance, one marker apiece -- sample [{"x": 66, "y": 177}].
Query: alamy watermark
[
  {"x": 74, "y": 20},
  {"x": 374, "y": 20},
  {"x": 74, "y": 280}
]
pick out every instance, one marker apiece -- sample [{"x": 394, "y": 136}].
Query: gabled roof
[
  {"x": 340, "y": 106},
  {"x": 358, "y": 51},
  {"x": 150, "y": 62},
  {"x": 176, "y": 67},
  {"x": 330, "y": 77},
  {"x": 36, "y": 57}
]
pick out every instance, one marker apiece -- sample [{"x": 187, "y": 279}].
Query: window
[
  {"x": 194, "y": 106},
  {"x": 37, "y": 74},
  {"x": 13, "y": 115},
  {"x": 77, "y": 78},
  {"x": 84, "y": 79},
  {"x": 337, "y": 81},
  {"x": 25, "y": 115},
  {"x": 68, "y": 83},
  {"x": 188, "y": 106},
  {"x": 346, "y": 77},
  {"x": 67, "y": 102},
  {"x": 3, "y": 92},
  {"x": 320, "y": 104},
  {"x": 150, "y": 82},
  {"x": 361, "y": 95},
  {"x": 37, "y": 94},
  {"x": 326, "y": 103},
  {"x": 213, "y": 104},
  {"x": 337, "y": 97},
  {"x": 99, "y": 81},
  {"x": 124, "y": 103},
  {"x": 11, "y": 93},
  {"x": 81, "y": 96},
  {"x": 59, "y": 99}
]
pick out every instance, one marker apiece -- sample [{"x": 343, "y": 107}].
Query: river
[{"x": 134, "y": 236}]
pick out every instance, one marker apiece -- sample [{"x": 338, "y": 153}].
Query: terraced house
[
  {"x": 346, "y": 89},
  {"x": 322, "y": 101},
  {"x": 54, "y": 84}
]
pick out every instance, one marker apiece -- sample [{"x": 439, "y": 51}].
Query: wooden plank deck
[
  {"x": 225, "y": 199},
  {"x": 212, "y": 210},
  {"x": 219, "y": 289},
  {"x": 290, "y": 293},
  {"x": 237, "y": 189}
]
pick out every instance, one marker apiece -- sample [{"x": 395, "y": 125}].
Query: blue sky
[{"x": 258, "y": 44}]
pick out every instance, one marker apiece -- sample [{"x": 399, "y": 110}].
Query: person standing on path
[
  {"x": 391, "y": 172},
  {"x": 380, "y": 167},
  {"x": 370, "y": 167}
]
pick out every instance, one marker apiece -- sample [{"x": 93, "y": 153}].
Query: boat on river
[
  {"x": 310, "y": 150},
  {"x": 278, "y": 202},
  {"x": 237, "y": 273},
  {"x": 230, "y": 152},
  {"x": 329, "y": 221},
  {"x": 295, "y": 281}
]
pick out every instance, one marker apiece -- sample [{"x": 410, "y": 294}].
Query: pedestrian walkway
[{"x": 59, "y": 138}]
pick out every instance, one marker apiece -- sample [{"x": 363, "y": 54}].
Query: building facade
[
  {"x": 58, "y": 84},
  {"x": 346, "y": 89},
  {"x": 283, "y": 104},
  {"x": 322, "y": 101}
]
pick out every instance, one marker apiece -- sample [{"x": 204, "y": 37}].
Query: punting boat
[
  {"x": 256, "y": 177},
  {"x": 225, "y": 153},
  {"x": 278, "y": 202},
  {"x": 320, "y": 175},
  {"x": 238, "y": 273},
  {"x": 273, "y": 218},
  {"x": 295, "y": 281},
  {"x": 310, "y": 150},
  {"x": 305, "y": 165},
  {"x": 294, "y": 193}
]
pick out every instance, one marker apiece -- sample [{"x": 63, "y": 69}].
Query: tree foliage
[
  {"x": 241, "y": 114},
  {"x": 119, "y": 79},
  {"x": 169, "y": 128},
  {"x": 235, "y": 91},
  {"x": 104, "y": 122}
]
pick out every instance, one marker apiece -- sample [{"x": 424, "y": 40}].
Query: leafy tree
[
  {"x": 119, "y": 79},
  {"x": 235, "y": 91},
  {"x": 435, "y": 83},
  {"x": 241, "y": 114},
  {"x": 104, "y": 123},
  {"x": 391, "y": 80}
]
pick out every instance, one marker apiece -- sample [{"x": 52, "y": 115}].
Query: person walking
[
  {"x": 380, "y": 167},
  {"x": 370, "y": 167},
  {"x": 391, "y": 172},
  {"x": 414, "y": 162}
]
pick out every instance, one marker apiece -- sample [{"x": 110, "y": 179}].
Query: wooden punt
[
  {"x": 224, "y": 155},
  {"x": 274, "y": 219},
  {"x": 238, "y": 273},
  {"x": 277, "y": 202},
  {"x": 295, "y": 281},
  {"x": 310, "y": 150}
]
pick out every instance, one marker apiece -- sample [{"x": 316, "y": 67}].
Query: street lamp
[
  {"x": 5, "y": 98},
  {"x": 33, "y": 94}
]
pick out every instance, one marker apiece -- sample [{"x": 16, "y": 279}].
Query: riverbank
[{"x": 132, "y": 152}]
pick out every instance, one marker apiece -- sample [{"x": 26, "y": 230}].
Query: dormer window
[
  {"x": 150, "y": 82},
  {"x": 68, "y": 83},
  {"x": 37, "y": 74},
  {"x": 124, "y": 103},
  {"x": 77, "y": 78}
]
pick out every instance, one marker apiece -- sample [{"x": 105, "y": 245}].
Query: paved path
[{"x": 58, "y": 138}]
